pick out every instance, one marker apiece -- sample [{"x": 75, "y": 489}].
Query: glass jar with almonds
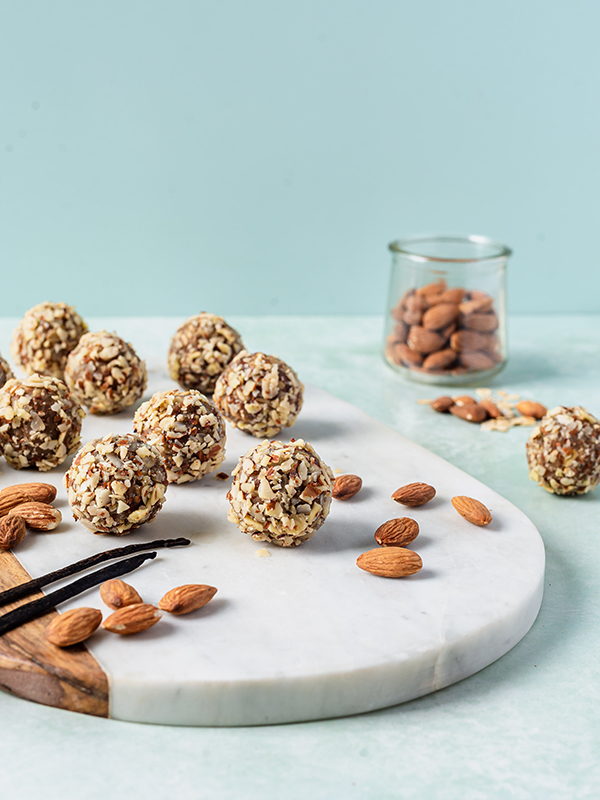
[{"x": 446, "y": 313}]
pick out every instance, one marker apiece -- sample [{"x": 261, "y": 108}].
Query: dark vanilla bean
[
  {"x": 23, "y": 589},
  {"x": 36, "y": 608}
]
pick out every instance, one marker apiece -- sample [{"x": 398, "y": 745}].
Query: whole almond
[
  {"x": 405, "y": 355},
  {"x": 464, "y": 400},
  {"x": 477, "y": 360},
  {"x": 442, "y": 359},
  {"x": 432, "y": 288},
  {"x": 474, "y": 412},
  {"x": 491, "y": 408},
  {"x": 529, "y": 408},
  {"x": 118, "y": 594},
  {"x": 132, "y": 619},
  {"x": 41, "y": 492},
  {"x": 346, "y": 486},
  {"x": 390, "y": 562},
  {"x": 453, "y": 295},
  {"x": 473, "y": 306},
  {"x": 481, "y": 322},
  {"x": 439, "y": 315},
  {"x": 423, "y": 340},
  {"x": 472, "y": 510},
  {"x": 12, "y": 531},
  {"x": 38, "y": 516},
  {"x": 470, "y": 340},
  {"x": 189, "y": 597},
  {"x": 73, "y": 626},
  {"x": 414, "y": 494},
  {"x": 442, "y": 404},
  {"x": 397, "y": 532},
  {"x": 12, "y": 499}
]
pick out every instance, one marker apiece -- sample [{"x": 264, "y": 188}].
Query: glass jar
[{"x": 446, "y": 312}]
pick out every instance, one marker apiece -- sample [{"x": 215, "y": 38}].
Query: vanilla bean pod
[
  {"x": 36, "y": 608},
  {"x": 23, "y": 589}
]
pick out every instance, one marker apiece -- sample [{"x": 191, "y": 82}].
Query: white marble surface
[{"x": 304, "y": 634}]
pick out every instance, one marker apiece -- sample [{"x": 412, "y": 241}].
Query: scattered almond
[
  {"x": 473, "y": 412},
  {"x": 397, "y": 532},
  {"x": 41, "y": 492},
  {"x": 442, "y": 404},
  {"x": 184, "y": 599},
  {"x": 12, "y": 531},
  {"x": 118, "y": 594},
  {"x": 465, "y": 400},
  {"x": 73, "y": 626},
  {"x": 414, "y": 494},
  {"x": 346, "y": 486},
  {"x": 390, "y": 562},
  {"x": 38, "y": 516},
  {"x": 492, "y": 409},
  {"x": 472, "y": 510},
  {"x": 529, "y": 408},
  {"x": 132, "y": 619}
]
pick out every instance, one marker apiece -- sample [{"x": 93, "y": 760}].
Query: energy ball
[
  {"x": 280, "y": 493},
  {"x": 44, "y": 338},
  {"x": 563, "y": 451},
  {"x": 105, "y": 374},
  {"x": 186, "y": 429},
  {"x": 40, "y": 422},
  {"x": 200, "y": 350},
  {"x": 259, "y": 394},
  {"x": 116, "y": 484},
  {"x": 6, "y": 372}
]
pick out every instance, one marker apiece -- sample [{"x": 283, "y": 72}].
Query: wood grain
[{"x": 32, "y": 668}]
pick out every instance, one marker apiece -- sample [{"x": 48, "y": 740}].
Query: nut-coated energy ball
[
  {"x": 40, "y": 422},
  {"x": 200, "y": 350},
  {"x": 44, "y": 338},
  {"x": 281, "y": 493},
  {"x": 116, "y": 484},
  {"x": 563, "y": 451},
  {"x": 186, "y": 429},
  {"x": 259, "y": 394},
  {"x": 105, "y": 373}
]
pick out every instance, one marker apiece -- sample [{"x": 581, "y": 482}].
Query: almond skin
[
  {"x": 118, "y": 594},
  {"x": 529, "y": 408},
  {"x": 189, "y": 597},
  {"x": 73, "y": 626},
  {"x": 12, "y": 531},
  {"x": 38, "y": 516},
  {"x": 390, "y": 562},
  {"x": 397, "y": 532},
  {"x": 346, "y": 486},
  {"x": 41, "y": 492},
  {"x": 132, "y": 619},
  {"x": 474, "y": 412},
  {"x": 442, "y": 404},
  {"x": 472, "y": 510},
  {"x": 414, "y": 494}
]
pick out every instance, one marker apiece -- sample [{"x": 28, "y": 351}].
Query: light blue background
[{"x": 167, "y": 157}]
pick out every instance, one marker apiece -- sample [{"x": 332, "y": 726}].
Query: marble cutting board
[{"x": 302, "y": 633}]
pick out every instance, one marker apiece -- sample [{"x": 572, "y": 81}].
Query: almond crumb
[{"x": 263, "y": 553}]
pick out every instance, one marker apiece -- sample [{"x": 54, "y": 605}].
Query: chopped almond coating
[{"x": 281, "y": 493}]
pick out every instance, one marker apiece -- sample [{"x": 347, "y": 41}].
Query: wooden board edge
[{"x": 34, "y": 669}]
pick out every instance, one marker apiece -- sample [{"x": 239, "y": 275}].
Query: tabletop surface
[{"x": 525, "y": 727}]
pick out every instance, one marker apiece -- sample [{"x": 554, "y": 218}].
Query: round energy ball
[
  {"x": 44, "y": 338},
  {"x": 281, "y": 493},
  {"x": 105, "y": 374},
  {"x": 186, "y": 429},
  {"x": 116, "y": 484},
  {"x": 40, "y": 422},
  {"x": 563, "y": 451},
  {"x": 6, "y": 372},
  {"x": 200, "y": 350},
  {"x": 259, "y": 394}
]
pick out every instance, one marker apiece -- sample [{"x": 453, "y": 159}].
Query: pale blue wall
[{"x": 257, "y": 156}]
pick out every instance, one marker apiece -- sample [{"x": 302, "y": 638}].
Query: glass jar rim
[{"x": 403, "y": 246}]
